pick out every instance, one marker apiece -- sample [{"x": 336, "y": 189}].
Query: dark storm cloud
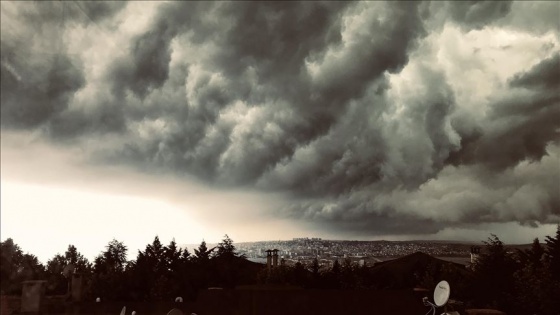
[
  {"x": 523, "y": 124},
  {"x": 523, "y": 13},
  {"x": 477, "y": 14},
  {"x": 39, "y": 77},
  {"x": 97, "y": 11},
  {"x": 344, "y": 107},
  {"x": 148, "y": 66},
  {"x": 271, "y": 42},
  {"x": 544, "y": 76},
  {"x": 40, "y": 14},
  {"x": 36, "y": 94},
  {"x": 358, "y": 215}
]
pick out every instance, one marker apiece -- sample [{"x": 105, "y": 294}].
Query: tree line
[
  {"x": 518, "y": 282},
  {"x": 158, "y": 272}
]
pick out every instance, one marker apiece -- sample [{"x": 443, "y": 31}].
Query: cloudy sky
[{"x": 350, "y": 120}]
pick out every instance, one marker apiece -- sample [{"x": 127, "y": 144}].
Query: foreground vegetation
[{"x": 525, "y": 281}]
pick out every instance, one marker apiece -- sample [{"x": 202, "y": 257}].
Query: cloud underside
[{"x": 371, "y": 117}]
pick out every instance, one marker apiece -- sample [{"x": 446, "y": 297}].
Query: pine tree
[
  {"x": 185, "y": 255},
  {"x": 202, "y": 254},
  {"x": 226, "y": 248},
  {"x": 535, "y": 254},
  {"x": 553, "y": 254},
  {"x": 552, "y": 302},
  {"x": 172, "y": 256},
  {"x": 493, "y": 277},
  {"x": 156, "y": 254}
]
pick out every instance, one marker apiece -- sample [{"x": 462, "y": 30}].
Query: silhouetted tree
[
  {"x": 331, "y": 279},
  {"x": 536, "y": 254},
  {"x": 226, "y": 265},
  {"x": 108, "y": 280},
  {"x": 11, "y": 259},
  {"x": 157, "y": 252},
  {"x": 314, "y": 267},
  {"x": 226, "y": 248},
  {"x": 152, "y": 272},
  {"x": 184, "y": 274},
  {"x": 300, "y": 274},
  {"x": 315, "y": 274},
  {"x": 113, "y": 259},
  {"x": 81, "y": 264},
  {"x": 348, "y": 276},
  {"x": 553, "y": 254},
  {"x": 201, "y": 263},
  {"x": 552, "y": 292},
  {"x": 185, "y": 255},
  {"x": 202, "y": 254},
  {"x": 173, "y": 256},
  {"x": 493, "y": 277},
  {"x": 142, "y": 276},
  {"x": 531, "y": 281},
  {"x": 57, "y": 283},
  {"x": 32, "y": 269},
  {"x": 16, "y": 267},
  {"x": 336, "y": 267},
  {"x": 168, "y": 282}
]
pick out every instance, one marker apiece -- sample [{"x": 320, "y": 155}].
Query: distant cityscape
[{"x": 305, "y": 249}]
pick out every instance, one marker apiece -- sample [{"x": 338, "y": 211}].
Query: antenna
[{"x": 441, "y": 293}]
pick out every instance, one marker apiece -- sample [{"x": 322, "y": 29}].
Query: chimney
[
  {"x": 475, "y": 254},
  {"x": 275, "y": 258},
  {"x": 268, "y": 258},
  {"x": 77, "y": 287},
  {"x": 33, "y": 296}
]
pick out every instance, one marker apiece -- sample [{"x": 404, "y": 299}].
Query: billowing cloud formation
[{"x": 371, "y": 117}]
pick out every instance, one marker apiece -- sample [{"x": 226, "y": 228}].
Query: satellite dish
[
  {"x": 175, "y": 311},
  {"x": 123, "y": 311},
  {"x": 178, "y": 299},
  {"x": 441, "y": 293}
]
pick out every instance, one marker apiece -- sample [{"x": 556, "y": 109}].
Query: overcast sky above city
[{"x": 267, "y": 121}]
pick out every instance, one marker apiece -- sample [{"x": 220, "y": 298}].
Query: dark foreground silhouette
[
  {"x": 517, "y": 282},
  {"x": 262, "y": 300}
]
